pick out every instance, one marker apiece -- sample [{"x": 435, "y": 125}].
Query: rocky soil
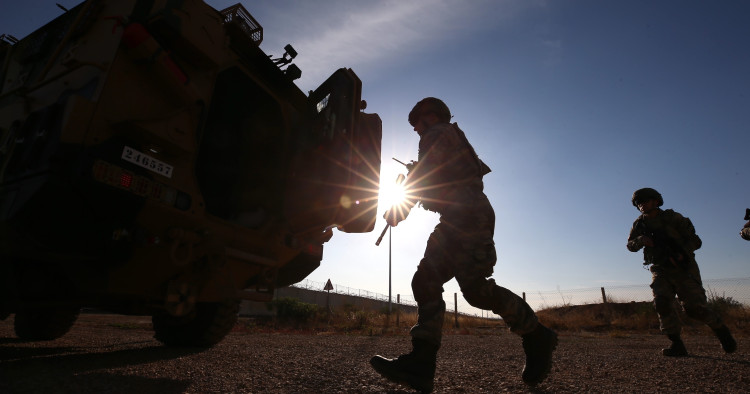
[{"x": 117, "y": 354}]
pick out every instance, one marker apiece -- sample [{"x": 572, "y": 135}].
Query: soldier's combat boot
[
  {"x": 676, "y": 349},
  {"x": 725, "y": 337},
  {"x": 538, "y": 345},
  {"x": 415, "y": 369}
]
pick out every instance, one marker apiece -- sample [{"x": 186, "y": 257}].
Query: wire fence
[
  {"x": 345, "y": 290},
  {"x": 734, "y": 289}
]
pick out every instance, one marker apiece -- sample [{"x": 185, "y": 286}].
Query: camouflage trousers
[
  {"x": 685, "y": 283},
  {"x": 461, "y": 246}
]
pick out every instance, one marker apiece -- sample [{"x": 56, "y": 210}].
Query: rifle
[
  {"x": 675, "y": 252},
  {"x": 409, "y": 166}
]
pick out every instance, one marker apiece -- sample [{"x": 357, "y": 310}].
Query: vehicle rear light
[
  {"x": 153, "y": 240},
  {"x": 125, "y": 180},
  {"x": 120, "y": 178}
]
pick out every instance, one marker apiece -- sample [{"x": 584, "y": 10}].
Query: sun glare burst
[{"x": 392, "y": 194}]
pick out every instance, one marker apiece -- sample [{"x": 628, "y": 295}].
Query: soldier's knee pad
[
  {"x": 425, "y": 287},
  {"x": 479, "y": 294},
  {"x": 432, "y": 308},
  {"x": 475, "y": 299}
]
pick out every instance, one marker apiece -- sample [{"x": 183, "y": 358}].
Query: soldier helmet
[
  {"x": 430, "y": 105},
  {"x": 645, "y": 194}
]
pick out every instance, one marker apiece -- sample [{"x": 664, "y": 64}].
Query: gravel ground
[{"x": 117, "y": 354}]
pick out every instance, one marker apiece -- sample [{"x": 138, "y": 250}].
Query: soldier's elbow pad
[{"x": 745, "y": 233}]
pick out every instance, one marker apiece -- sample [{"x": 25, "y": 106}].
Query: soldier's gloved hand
[
  {"x": 646, "y": 240},
  {"x": 639, "y": 242},
  {"x": 410, "y": 167}
]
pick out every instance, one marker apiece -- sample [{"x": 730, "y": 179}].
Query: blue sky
[{"x": 573, "y": 104}]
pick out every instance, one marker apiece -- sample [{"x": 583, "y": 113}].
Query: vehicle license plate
[{"x": 147, "y": 162}]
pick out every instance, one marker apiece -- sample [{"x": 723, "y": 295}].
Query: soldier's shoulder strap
[
  {"x": 484, "y": 169},
  {"x": 672, "y": 218},
  {"x": 684, "y": 225}
]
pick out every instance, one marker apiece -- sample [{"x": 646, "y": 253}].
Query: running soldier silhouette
[
  {"x": 447, "y": 179},
  {"x": 669, "y": 243}
]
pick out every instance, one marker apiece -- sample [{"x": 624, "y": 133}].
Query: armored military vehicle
[{"x": 155, "y": 161}]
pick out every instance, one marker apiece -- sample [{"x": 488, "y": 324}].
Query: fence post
[
  {"x": 524, "y": 295},
  {"x": 604, "y": 296},
  {"x": 455, "y": 307},
  {"x": 398, "y": 308}
]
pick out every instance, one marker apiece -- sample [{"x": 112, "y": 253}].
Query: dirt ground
[{"x": 117, "y": 354}]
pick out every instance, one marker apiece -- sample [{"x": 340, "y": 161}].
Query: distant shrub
[
  {"x": 721, "y": 303},
  {"x": 360, "y": 319},
  {"x": 292, "y": 309}
]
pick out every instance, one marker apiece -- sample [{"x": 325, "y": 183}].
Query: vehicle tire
[
  {"x": 210, "y": 323},
  {"x": 44, "y": 324}
]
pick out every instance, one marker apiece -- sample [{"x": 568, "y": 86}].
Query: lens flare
[{"x": 392, "y": 194}]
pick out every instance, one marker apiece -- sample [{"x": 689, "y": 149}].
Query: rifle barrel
[
  {"x": 399, "y": 161},
  {"x": 380, "y": 238}
]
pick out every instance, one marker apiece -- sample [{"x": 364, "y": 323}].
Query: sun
[{"x": 392, "y": 193}]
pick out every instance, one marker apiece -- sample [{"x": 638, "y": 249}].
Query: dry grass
[
  {"x": 601, "y": 317},
  {"x": 636, "y": 316},
  {"x": 612, "y": 317},
  {"x": 350, "y": 319}
]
